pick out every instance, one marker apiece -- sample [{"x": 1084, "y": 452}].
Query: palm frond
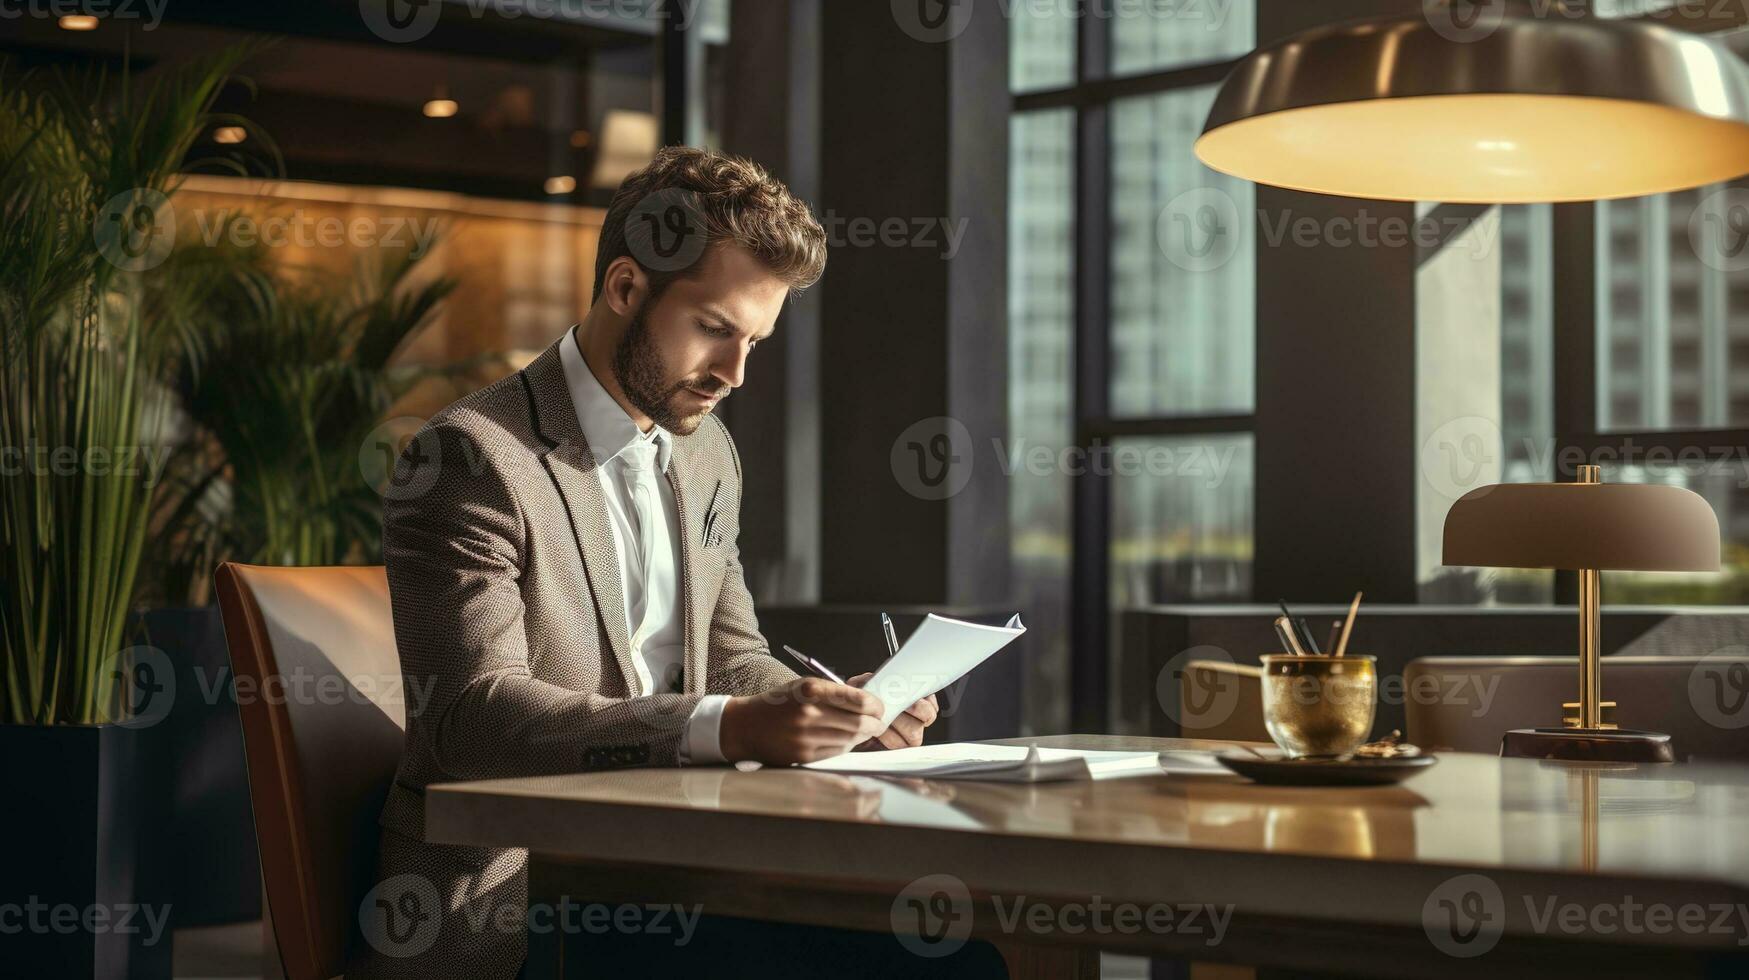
[{"x": 84, "y": 339}]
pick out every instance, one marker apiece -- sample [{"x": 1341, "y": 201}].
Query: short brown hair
[{"x": 731, "y": 200}]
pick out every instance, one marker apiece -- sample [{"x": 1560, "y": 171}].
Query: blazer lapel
[{"x": 572, "y": 467}]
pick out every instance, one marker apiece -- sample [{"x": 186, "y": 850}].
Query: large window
[
  {"x": 1669, "y": 382},
  {"x": 1131, "y": 354}
]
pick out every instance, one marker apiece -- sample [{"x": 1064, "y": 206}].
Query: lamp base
[{"x": 1587, "y": 745}]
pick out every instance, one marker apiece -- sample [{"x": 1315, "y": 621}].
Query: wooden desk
[{"x": 1553, "y": 869}]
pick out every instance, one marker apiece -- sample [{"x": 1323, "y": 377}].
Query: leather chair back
[
  {"x": 1467, "y": 704},
  {"x": 319, "y": 690}
]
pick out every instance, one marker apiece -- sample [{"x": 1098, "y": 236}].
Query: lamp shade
[
  {"x": 1527, "y": 107},
  {"x": 1583, "y": 525}
]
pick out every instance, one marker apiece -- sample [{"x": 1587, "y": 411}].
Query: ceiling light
[
  {"x": 1530, "y": 106},
  {"x": 561, "y": 185},
  {"x": 78, "y": 22},
  {"x": 230, "y": 134}
]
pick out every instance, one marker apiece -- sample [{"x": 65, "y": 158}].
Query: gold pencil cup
[{"x": 1319, "y": 707}]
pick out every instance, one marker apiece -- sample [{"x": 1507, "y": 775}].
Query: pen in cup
[
  {"x": 1348, "y": 625},
  {"x": 1300, "y": 631},
  {"x": 1284, "y": 630}
]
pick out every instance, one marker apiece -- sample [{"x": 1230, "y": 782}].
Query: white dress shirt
[{"x": 632, "y": 466}]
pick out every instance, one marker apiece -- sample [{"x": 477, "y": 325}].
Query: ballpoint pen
[
  {"x": 892, "y": 637},
  {"x": 814, "y": 666}
]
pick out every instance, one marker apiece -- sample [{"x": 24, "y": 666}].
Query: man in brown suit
[{"x": 562, "y": 561}]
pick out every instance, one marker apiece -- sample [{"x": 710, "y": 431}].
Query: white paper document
[
  {"x": 939, "y": 652},
  {"x": 996, "y": 763}
]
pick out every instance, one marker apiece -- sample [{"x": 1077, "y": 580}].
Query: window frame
[{"x": 1090, "y": 96}]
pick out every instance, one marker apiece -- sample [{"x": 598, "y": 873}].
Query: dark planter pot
[
  {"x": 216, "y": 871},
  {"x": 84, "y": 892}
]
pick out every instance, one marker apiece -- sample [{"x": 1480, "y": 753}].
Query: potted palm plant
[
  {"x": 281, "y": 388},
  {"x": 88, "y": 163},
  {"x": 280, "y": 394}
]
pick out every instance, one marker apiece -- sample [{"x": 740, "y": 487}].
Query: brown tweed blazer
[{"x": 509, "y": 614}]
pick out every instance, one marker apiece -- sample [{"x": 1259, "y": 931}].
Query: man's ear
[{"x": 626, "y": 286}]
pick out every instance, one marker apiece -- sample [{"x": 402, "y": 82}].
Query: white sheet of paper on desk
[
  {"x": 997, "y": 763},
  {"x": 939, "y": 652}
]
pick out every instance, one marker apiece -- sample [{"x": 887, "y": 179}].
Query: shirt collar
[{"x": 606, "y": 426}]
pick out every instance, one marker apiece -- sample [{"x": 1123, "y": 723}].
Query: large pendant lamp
[{"x": 1484, "y": 102}]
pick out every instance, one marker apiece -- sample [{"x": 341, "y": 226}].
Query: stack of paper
[{"x": 997, "y": 763}]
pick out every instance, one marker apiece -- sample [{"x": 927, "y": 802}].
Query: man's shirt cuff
[{"x": 702, "y": 745}]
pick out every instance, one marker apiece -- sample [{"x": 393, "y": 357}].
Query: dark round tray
[{"x": 1278, "y": 771}]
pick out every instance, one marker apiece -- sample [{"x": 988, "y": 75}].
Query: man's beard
[{"x": 638, "y": 368}]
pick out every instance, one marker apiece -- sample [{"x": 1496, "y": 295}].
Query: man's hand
[
  {"x": 807, "y": 719},
  {"x": 908, "y": 728}
]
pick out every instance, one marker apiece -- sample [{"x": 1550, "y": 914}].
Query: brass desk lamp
[
  {"x": 1587, "y": 526},
  {"x": 1499, "y": 102}
]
